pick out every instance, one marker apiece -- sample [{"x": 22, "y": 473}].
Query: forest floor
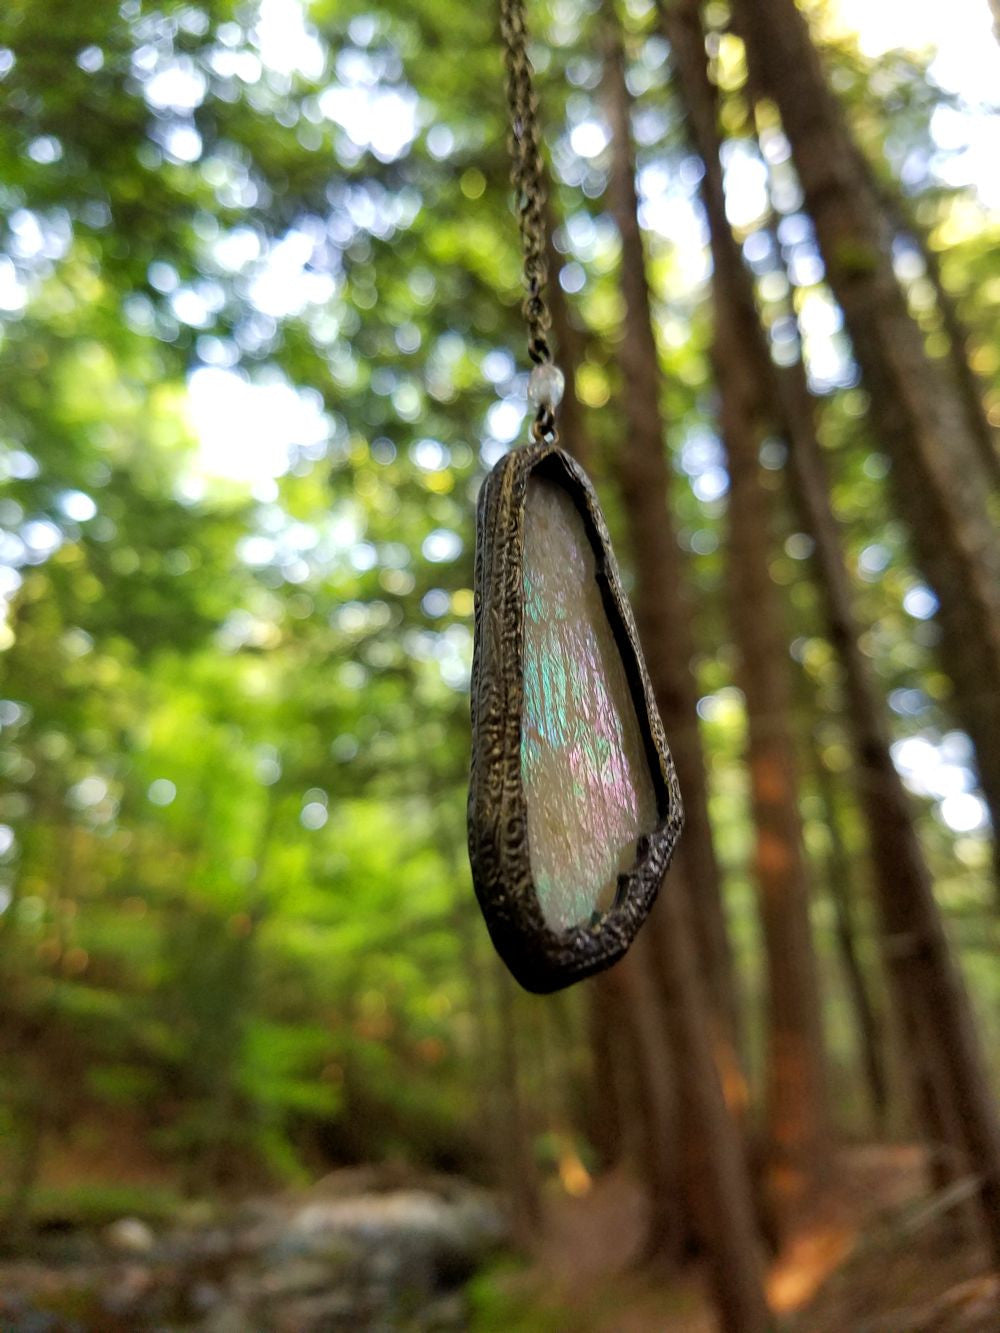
[
  {"x": 362, "y": 1249},
  {"x": 377, "y": 1249},
  {"x": 879, "y": 1256}
]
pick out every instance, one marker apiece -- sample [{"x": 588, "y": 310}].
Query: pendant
[{"x": 574, "y": 807}]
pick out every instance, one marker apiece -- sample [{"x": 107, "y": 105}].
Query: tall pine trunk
[
  {"x": 514, "y": 1150},
  {"x": 930, "y": 994},
  {"x": 937, "y": 475},
  {"x": 797, "y": 1121},
  {"x": 662, "y": 601},
  {"x": 657, "y": 1072},
  {"x": 954, "y": 1097},
  {"x": 610, "y": 1092},
  {"x": 967, "y": 383},
  {"x": 625, "y": 1021},
  {"x": 796, "y": 1091},
  {"x": 725, "y": 1200},
  {"x": 867, "y": 1021},
  {"x": 711, "y": 1138}
]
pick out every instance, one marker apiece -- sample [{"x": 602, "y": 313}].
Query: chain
[{"x": 527, "y": 177}]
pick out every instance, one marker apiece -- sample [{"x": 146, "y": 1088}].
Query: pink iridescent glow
[{"x": 584, "y": 769}]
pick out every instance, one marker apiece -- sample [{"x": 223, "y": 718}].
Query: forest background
[{"x": 260, "y": 286}]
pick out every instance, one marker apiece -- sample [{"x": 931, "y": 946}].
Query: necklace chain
[{"x": 528, "y": 178}]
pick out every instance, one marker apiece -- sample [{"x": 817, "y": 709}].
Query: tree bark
[
  {"x": 28, "y": 1129},
  {"x": 930, "y": 994},
  {"x": 867, "y": 1022},
  {"x": 711, "y": 1137},
  {"x": 514, "y": 1148},
  {"x": 623, "y": 1006},
  {"x": 610, "y": 1092},
  {"x": 937, "y": 475},
  {"x": 793, "y": 407},
  {"x": 726, "y": 1204},
  {"x": 656, "y": 1072},
  {"x": 968, "y": 385},
  {"x": 797, "y": 1120},
  {"x": 796, "y": 1091},
  {"x": 927, "y": 983},
  {"x": 956, "y": 1098},
  {"x": 662, "y": 602}
]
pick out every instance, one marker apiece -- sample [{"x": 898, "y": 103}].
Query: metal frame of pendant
[{"x": 541, "y": 959}]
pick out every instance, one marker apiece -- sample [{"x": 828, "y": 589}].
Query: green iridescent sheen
[{"x": 585, "y": 774}]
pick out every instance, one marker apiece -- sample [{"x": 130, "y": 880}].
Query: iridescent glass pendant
[{"x": 574, "y": 808}]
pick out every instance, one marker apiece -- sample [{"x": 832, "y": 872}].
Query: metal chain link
[{"x": 528, "y": 178}]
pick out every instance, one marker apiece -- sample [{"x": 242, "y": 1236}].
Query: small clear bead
[{"x": 545, "y": 386}]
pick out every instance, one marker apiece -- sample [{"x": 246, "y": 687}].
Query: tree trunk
[
  {"x": 937, "y": 475},
  {"x": 661, "y": 600},
  {"x": 928, "y": 986},
  {"x": 719, "y": 1165},
  {"x": 28, "y": 1127},
  {"x": 796, "y": 1094},
  {"x": 867, "y": 1024},
  {"x": 929, "y": 992},
  {"x": 968, "y": 385},
  {"x": 609, "y": 1093},
  {"x": 711, "y": 1138},
  {"x": 655, "y": 1077},
  {"x": 794, "y": 408},
  {"x": 514, "y": 1148},
  {"x": 797, "y": 1126},
  {"x": 622, "y": 1004},
  {"x": 477, "y": 962}
]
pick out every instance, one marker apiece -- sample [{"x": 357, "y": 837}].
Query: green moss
[{"x": 99, "y": 1205}]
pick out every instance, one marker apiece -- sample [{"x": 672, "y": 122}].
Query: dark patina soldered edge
[{"x": 543, "y": 960}]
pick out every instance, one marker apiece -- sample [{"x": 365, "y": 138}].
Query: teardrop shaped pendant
[{"x": 574, "y": 807}]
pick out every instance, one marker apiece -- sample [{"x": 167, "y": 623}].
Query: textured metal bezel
[{"x": 541, "y": 959}]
